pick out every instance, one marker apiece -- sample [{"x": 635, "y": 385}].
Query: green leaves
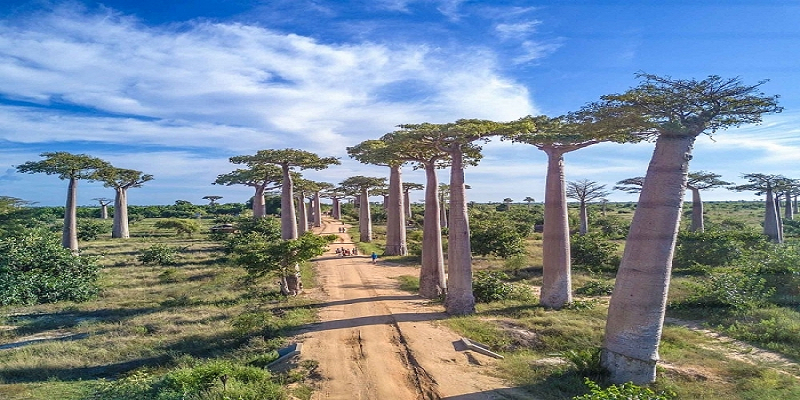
[{"x": 65, "y": 165}]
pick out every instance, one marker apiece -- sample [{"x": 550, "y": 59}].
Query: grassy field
[{"x": 152, "y": 321}]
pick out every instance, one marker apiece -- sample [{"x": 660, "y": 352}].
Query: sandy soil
[{"x": 375, "y": 341}]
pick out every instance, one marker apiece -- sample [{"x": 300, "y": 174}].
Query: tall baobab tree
[
  {"x": 408, "y": 187},
  {"x": 121, "y": 180},
  {"x": 317, "y": 203},
  {"x": 72, "y": 167},
  {"x": 212, "y": 200},
  {"x": 585, "y": 191},
  {"x": 378, "y": 152},
  {"x": 362, "y": 185},
  {"x": 261, "y": 177},
  {"x": 678, "y": 111},
  {"x": 556, "y": 137},
  {"x": 289, "y": 160},
  {"x": 767, "y": 185},
  {"x": 104, "y": 202},
  {"x": 528, "y": 200},
  {"x": 697, "y": 181},
  {"x": 336, "y": 194}
]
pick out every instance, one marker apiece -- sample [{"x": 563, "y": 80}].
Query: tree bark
[
  {"x": 317, "y": 210},
  {"x": 584, "y": 215},
  {"x": 69, "y": 235},
  {"x": 288, "y": 216},
  {"x": 556, "y": 273},
  {"x": 336, "y": 210},
  {"x": 638, "y": 303},
  {"x": 407, "y": 204},
  {"x": 432, "y": 282},
  {"x": 771, "y": 224},
  {"x": 698, "y": 224},
  {"x": 395, "y": 215},
  {"x": 302, "y": 214},
  {"x": 443, "y": 212},
  {"x": 259, "y": 206},
  {"x": 365, "y": 218},
  {"x": 104, "y": 211},
  {"x": 788, "y": 210},
  {"x": 119, "y": 228},
  {"x": 459, "y": 300}
]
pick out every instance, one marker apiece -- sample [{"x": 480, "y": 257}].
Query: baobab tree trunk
[
  {"x": 698, "y": 224},
  {"x": 119, "y": 228},
  {"x": 432, "y": 283},
  {"x": 317, "y": 210},
  {"x": 302, "y": 215},
  {"x": 636, "y": 312},
  {"x": 336, "y": 210},
  {"x": 103, "y": 211},
  {"x": 395, "y": 215},
  {"x": 442, "y": 212},
  {"x": 288, "y": 217},
  {"x": 556, "y": 271},
  {"x": 459, "y": 300},
  {"x": 771, "y": 225},
  {"x": 365, "y": 218},
  {"x": 788, "y": 210},
  {"x": 407, "y": 204},
  {"x": 259, "y": 206},
  {"x": 69, "y": 235},
  {"x": 584, "y": 215}
]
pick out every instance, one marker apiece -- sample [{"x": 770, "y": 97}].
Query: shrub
[
  {"x": 489, "y": 286},
  {"x": 159, "y": 254},
  {"x": 594, "y": 251},
  {"x": 736, "y": 290},
  {"x": 181, "y": 226},
  {"x": 627, "y": 391},
  {"x": 35, "y": 268},
  {"x": 90, "y": 229},
  {"x": 715, "y": 248},
  {"x": 595, "y": 288}
]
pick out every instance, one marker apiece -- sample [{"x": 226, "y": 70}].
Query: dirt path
[{"x": 377, "y": 342}]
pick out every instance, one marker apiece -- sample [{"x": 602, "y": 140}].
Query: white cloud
[{"x": 516, "y": 30}]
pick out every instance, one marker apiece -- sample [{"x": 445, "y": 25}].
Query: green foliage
[
  {"x": 715, "y": 248},
  {"x": 587, "y": 362},
  {"x": 261, "y": 256},
  {"x": 210, "y": 380},
  {"x": 35, "y": 268},
  {"x": 610, "y": 226},
  {"x": 594, "y": 252},
  {"x": 159, "y": 254},
  {"x": 735, "y": 290},
  {"x": 626, "y": 391},
  {"x": 181, "y": 226},
  {"x": 489, "y": 286},
  {"x": 497, "y": 233},
  {"x": 91, "y": 229},
  {"x": 595, "y": 288}
]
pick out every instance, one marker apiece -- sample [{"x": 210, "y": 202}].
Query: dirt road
[{"x": 377, "y": 342}]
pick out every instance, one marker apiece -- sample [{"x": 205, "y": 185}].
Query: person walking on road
[{"x": 374, "y": 257}]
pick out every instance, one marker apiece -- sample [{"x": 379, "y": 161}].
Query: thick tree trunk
[
  {"x": 69, "y": 235},
  {"x": 302, "y": 215},
  {"x": 288, "y": 216},
  {"x": 336, "y": 210},
  {"x": 104, "y": 211},
  {"x": 556, "y": 273},
  {"x": 407, "y": 204},
  {"x": 636, "y": 312},
  {"x": 788, "y": 210},
  {"x": 395, "y": 215},
  {"x": 119, "y": 228},
  {"x": 259, "y": 206},
  {"x": 432, "y": 282},
  {"x": 365, "y": 218},
  {"x": 442, "y": 212},
  {"x": 317, "y": 210},
  {"x": 584, "y": 215},
  {"x": 698, "y": 224},
  {"x": 460, "y": 299},
  {"x": 771, "y": 224}
]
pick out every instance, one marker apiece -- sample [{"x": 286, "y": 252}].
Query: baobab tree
[
  {"x": 697, "y": 181},
  {"x": 507, "y": 203},
  {"x": 72, "y": 167},
  {"x": 408, "y": 187},
  {"x": 317, "y": 203},
  {"x": 212, "y": 200},
  {"x": 362, "y": 185},
  {"x": 585, "y": 191},
  {"x": 678, "y": 111},
  {"x": 121, "y": 180},
  {"x": 528, "y": 200},
  {"x": 556, "y": 137},
  {"x": 261, "y": 177},
  {"x": 104, "y": 202},
  {"x": 378, "y": 152},
  {"x": 289, "y": 160},
  {"x": 335, "y": 194},
  {"x": 767, "y": 185}
]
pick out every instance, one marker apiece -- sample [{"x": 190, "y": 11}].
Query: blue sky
[{"x": 176, "y": 87}]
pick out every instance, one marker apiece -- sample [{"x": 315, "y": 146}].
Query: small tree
[
  {"x": 71, "y": 167},
  {"x": 259, "y": 176},
  {"x": 585, "y": 191},
  {"x": 104, "y": 202},
  {"x": 362, "y": 185},
  {"x": 121, "y": 180},
  {"x": 697, "y": 181},
  {"x": 212, "y": 200},
  {"x": 528, "y": 200},
  {"x": 767, "y": 185},
  {"x": 181, "y": 226}
]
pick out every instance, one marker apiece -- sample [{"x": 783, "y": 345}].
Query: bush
[
  {"x": 159, "y": 254},
  {"x": 594, "y": 251},
  {"x": 595, "y": 288},
  {"x": 181, "y": 226},
  {"x": 626, "y": 391},
  {"x": 736, "y": 290},
  {"x": 35, "y": 268},
  {"x": 90, "y": 229},
  {"x": 715, "y": 248},
  {"x": 489, "y": 286}
]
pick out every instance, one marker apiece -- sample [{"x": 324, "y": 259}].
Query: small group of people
[
  {"x": 341, "y": 251},
  {"x": 342, "y": 230}
]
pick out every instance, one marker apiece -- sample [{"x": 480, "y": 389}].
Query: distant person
[{"x": 374, "y": 257}]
